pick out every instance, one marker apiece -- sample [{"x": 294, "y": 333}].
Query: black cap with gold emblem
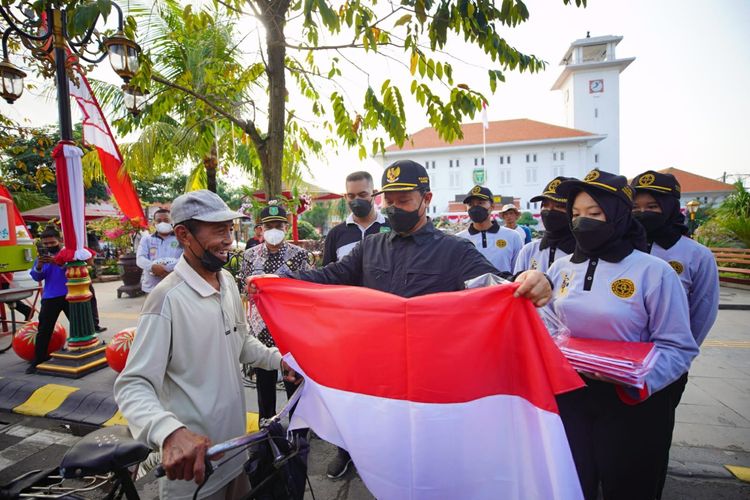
[
  {"x": 273, "y": 213},
  {"x": 657, "y": 182},
  {"x": 405, "y": 175},
  {"x": 599, "y": 179},
  {"x": 480, "y": 193},
  {"x": 551, "y": 191}
]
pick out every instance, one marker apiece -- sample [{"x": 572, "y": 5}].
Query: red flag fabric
[{"x": 449, "y": 395}]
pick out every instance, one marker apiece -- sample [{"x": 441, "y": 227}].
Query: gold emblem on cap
[
  {"x": 646, "y": 180},
  {"x": 677, "y": 266},
  {"x": 552, "y": 186},
  {"x": 501, "y": 243},
  {"x": 591, "y": 176},
  {"x": 392, "y": 174},
  {"x": 623, "y": 288},
  {"x": 628, "y": 192},
  {"x": 476, "y": 190}
]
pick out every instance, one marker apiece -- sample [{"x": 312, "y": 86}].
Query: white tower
[{"x": 590, "y": 83}]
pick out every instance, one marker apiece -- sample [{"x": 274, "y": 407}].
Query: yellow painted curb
[
  {"x": 741, "y": 473},
  {"x": 117, "y": 419},
  {"x": 45, "y": 399},
  {"x": 252, "y": 422}
]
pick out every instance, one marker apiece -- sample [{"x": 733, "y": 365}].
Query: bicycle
[{"x": 276, "y": 465}]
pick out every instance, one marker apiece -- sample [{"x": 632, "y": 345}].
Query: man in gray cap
[{"x": 181, "y": 388}]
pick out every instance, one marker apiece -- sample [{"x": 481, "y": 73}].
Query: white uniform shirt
[
  {"x": 184, "y": 369},
  {"x": 639, "y": 299},
  {"x": 532, "y": 258},
  {"x": 696, "y": 267},
  {"x": 499, "y": 245},
  {"x": 151, "y": 249}
]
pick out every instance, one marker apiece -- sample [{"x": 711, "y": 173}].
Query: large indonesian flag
[{"x": 449, "y": 395}]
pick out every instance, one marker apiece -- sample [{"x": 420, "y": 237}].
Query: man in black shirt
[
  {"x": 363, "y": 220},
  {"x": 414, "y": 258}
]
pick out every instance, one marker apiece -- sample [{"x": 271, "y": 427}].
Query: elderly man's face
[{"x": 510, "y": 217}]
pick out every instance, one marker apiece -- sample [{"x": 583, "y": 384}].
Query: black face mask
[
  {"x": 554, "y": 220},
  {"x": 651, "y": 221},
  {"x": 53, "y": 250},
  {"x": 591, "y": 234},
  {"x": 209, "y": 261},
  {"x": 360, "y": 208},
  {"x": 478, "y": 213},
  {"x": 402, "y": 221}
]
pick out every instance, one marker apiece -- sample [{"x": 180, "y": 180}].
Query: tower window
[
  {"x": 596, "y": 158},
  {"x": 534, "y": 158},
  {"x": 502, "y": 160},
  {"x": 562, "y": 156},
  {"x": 508, "y": 162},
  {"x": 596, "y": 112},
  {"x": 450, "y": 163},
  {"x": 528, "y": 157},
  {"x": 554, "y": 156}
]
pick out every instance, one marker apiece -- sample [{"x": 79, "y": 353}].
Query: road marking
[
  {"x": 34, "y": 443},
  {"x": 45, "y": 399},
  {"x": 734, "y": 344},
  {"x": 741, "y": 473}
]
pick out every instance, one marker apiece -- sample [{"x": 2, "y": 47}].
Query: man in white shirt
[
  {"x": 181, "y": 388},
  {"x": 510, "y": 215},
  {"x": 158, "y": 253}
]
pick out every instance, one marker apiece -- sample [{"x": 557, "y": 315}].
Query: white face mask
[
  {"x": 164, "y": 228},
  {"x": 274, "y": 236}
]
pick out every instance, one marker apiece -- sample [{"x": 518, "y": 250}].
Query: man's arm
[
  {"x": 347, "y": 271},
  {"x": 142, "y": 259},
  {"x": 37, "y": 271},
  {"x": 329, "y": 250}
]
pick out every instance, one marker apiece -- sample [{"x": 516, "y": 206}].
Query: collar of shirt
[
  {"x": 495, "y": 227},
  {"x": 159, "y": 235},
  {"x": 379, "y": 218},
  {"x": 424, "y": 234},
  {"x": 195, "y": 280}
]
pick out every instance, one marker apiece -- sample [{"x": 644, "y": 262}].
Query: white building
[{"x": 523, "y": 155}]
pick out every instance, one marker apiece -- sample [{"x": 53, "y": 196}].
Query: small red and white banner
[
  {"x": 449, "y": 395},
  {"x": 69, "y": 172}
]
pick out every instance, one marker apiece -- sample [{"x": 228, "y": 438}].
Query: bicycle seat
[{"x": 105, "y": 450}]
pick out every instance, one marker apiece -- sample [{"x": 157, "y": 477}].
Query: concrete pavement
[{"x": 713, "y": 420}]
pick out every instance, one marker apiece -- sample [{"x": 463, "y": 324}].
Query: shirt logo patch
[
  {"x": 623, "y": 288},
  {"x": 392, "y": 174},
  {"x": 564, "y": 285},
  {"x": 533, "y": 265},
  {"x": 385, "y": 229},
  {"x": 174, "y": 244},
  {"x": 501, "y": 243},
  {"x": 677, "y": 266}
]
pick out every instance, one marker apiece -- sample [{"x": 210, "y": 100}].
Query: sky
[{"x": 683, "y": 102}]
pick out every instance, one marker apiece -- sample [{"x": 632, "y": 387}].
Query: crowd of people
[{"x": 614, "y": 261}]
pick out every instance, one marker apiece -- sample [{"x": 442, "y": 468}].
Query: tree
[{"x": 416, "y": 30}]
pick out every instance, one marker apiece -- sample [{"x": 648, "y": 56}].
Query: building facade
[{"x": 516, "y": 158}]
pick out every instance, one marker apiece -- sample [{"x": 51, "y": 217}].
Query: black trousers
[
  {"x": 620, "y": 446},
  {"x": 48, "y": 314},
  {"x": 94, "y": 308},
  {"x": 265, "y": 383},
  {"x": 677, "y": 389}
]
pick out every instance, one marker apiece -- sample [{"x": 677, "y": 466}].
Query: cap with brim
[
  {"x": 273, "y": 213},
  {"x": 551, "y": 191},
  {"x": 480, "y": 193},
  {"x": 607, "y": 182},
  {"x": 658, "y": 183},
  {"x": 509, "y": 207},
  {"x": 204, "y": 206},
  {"x": 405, "y": 175}
]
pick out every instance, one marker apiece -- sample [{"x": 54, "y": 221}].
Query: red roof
[
  {"x": 694, "y": 183},
  {"x": 498, "y": 132}
]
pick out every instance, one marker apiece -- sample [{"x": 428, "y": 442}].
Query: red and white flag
[
  {"x": 96, "y": 133},
  {"x": 449, "y": 395}
]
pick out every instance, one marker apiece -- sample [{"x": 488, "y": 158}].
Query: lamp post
[
  {"x": 48, "y": 37},
  {"x": 692, "y": 208}
]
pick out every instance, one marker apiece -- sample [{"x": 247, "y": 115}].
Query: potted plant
[{"x": 121, "y": 234}]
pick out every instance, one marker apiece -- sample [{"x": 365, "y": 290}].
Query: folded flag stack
[{"x": 626, "y": 362}]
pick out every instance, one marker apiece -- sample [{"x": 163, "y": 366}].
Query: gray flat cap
[{"x": 202, "y": 205}]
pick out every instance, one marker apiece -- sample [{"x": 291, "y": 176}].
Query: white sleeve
[{"x": 141, "y": 257}]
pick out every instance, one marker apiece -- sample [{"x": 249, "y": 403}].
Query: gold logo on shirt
[
  {"x": 501, "y": 243},
  {"x": 623, "y": 288},
  {"x": 677, "y": 266},
  {"x": 552, "y": 186},
  {"x": 392, "y": 174},
  {"x": 533, "y": 265},
  {"x": 591, "y": 176},
  {"x": 646, "y": 180},
  {"x": 564, "y": 285}
]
